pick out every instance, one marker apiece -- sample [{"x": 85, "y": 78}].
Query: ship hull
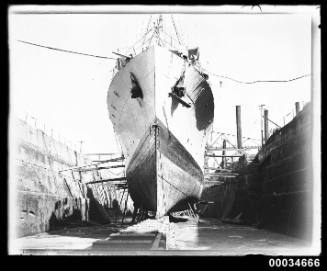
[
  {"x": 162, "y": 175},
  {"x": 162, "y": 137}
]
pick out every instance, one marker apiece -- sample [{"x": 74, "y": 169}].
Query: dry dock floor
[{"x": 205, "y": 237}]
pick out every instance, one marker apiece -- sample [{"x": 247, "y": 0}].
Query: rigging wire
[
  {"x": 141, "y": 39},
  {"x": 177, "y": 33},
  {"x": 147, "y": 30},
  {"x": 168, "y": 44},
  {"x": 209, "y": 72},
  {"x": 65, "y": 51},
  {"x": 169, "y": 36},
  {"x": 151, "y": 38},
  {"x": 248, "y": 138},
  {"x": 148, "y": 23},
  {"x": 258, "y": 81},
  {"x": 140, "y": 42}
]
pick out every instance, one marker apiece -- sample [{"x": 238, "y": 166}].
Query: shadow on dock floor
[{"x": 207, "y": 237}]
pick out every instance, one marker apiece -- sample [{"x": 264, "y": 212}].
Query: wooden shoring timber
[
  {"x": 122, "y": 196},
  {"x": 74, "y": 168},
  {"x": 79, "y": 168},
  {"x": 223, "y": 174},
  {"x": 115, "y": 166},
  {"x": 229, "y": 142},
  {"x": 98, "y": 168},
  {"x": 213, "y": 182},
  {"x": 115, "y": 184},
  {"x": 212, "y": 148},
  {"x": 101, "y": 153},
  {"x": 226, "y": 155},
  {"x": 119, "y": 187},
  {"x": 213, "y": 142},
  {"x": 125, "y": 209},
  {"x": 109, "y": 160},
  {"x": 108, "y": 180},
  {"x": 218, "y": 168},
  {"x": 156, "y": 242}
]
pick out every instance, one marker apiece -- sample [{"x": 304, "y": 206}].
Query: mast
[
  {"x": 160, "y": 30},
  {"x": 164, "y": 33}
]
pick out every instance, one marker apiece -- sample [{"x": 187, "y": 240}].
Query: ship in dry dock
[{"x": 161, "y": 107}]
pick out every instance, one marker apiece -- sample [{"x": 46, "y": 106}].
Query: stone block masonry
[
  {"x": 47, "y": 198},
  {"x": 44, "y": 197}
]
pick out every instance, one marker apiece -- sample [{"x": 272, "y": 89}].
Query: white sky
[{"x": 68, "y": 92}]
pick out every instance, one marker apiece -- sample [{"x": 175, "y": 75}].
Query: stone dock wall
[{"x": 46, "y": 198}]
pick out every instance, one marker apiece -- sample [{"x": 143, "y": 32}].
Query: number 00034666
[{"x": 289, "y": 262}]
